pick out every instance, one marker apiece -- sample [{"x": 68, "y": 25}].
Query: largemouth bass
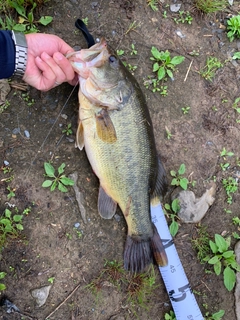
[{"x": 116, "y": 130}]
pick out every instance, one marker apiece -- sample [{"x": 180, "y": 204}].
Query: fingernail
[{"x": 44, "y": 55}]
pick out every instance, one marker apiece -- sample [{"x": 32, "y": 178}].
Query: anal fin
[{"x": 106, "y": 205}]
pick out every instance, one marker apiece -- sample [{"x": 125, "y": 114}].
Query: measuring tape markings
[{"x": 179, "y": 290}]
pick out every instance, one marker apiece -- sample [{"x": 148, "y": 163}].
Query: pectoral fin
[
  {"x": 106, "y": 205},
  {"x": 80, "y": 137},
  {"x": 105, "y": 128}
]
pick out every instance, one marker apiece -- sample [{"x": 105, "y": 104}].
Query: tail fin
[{"x": 138, "y": 253}]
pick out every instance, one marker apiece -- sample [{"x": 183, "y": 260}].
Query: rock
[
  {"x": 175, "y": 7},
  {"x": 193, "y": 209},
  {"x": 41, "y": 295},
  {"x": 237, "y": 288}
]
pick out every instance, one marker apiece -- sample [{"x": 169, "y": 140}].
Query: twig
[
  {"x": 69, "y": 296},
  {"x": 188, "y": 71}
]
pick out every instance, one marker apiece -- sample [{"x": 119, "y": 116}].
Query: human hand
[{"x": 47, "y": 66}]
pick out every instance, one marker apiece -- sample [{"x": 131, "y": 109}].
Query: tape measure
[{"x": 178, "y": 288}]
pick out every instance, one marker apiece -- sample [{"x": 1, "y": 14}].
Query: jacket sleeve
[{"x": 7, "y": 54}]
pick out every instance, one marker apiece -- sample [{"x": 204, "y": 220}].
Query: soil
[{"x": 49, "y": 245}]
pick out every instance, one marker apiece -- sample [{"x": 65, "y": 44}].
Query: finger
[
  {"x": 59, "y": 74},
  {"x": 65, "y": 65},
  {"x": 46, "y": 78}
]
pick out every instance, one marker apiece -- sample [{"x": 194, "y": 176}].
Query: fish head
[{"x": 100, "y": 74}]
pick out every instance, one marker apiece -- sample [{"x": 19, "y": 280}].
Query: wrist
[{"x": 20, "y": 53}]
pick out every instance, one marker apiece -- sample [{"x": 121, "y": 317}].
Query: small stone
[
  {"x": 180, "y": 34},
  {"x": 117, "y": 217},
  {"x": 76, "y": 225},
  {"x": 16, "y": 131},
  {"x": 175, "y": 7},
  {"x": 64, "y": 116},
  {"x": 6, "y": 163},
  {"x": 41, "y": 295},
  {"x": 27, "y": 134}
]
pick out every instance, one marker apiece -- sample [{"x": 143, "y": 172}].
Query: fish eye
[{"x": 113, "y": 61}]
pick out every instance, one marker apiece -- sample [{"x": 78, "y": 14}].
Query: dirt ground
[{"x": 51, "y": 246}]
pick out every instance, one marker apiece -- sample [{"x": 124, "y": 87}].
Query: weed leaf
[
  {"x": 61, "y": 187},
  {"x": 19, "y": 226},
  {"x": 7, "y": 213},
  {"x": 170, "y": 74},
  {"x": 53, "y": 186},
  {"x": 17, "y": 217},
  {"x": 161, "y": 73},
  {"x": 221, "y": 243},
  {"x": 177, "y": 60},
  {"x": 236, "y": 55},
  {"x": 182, "y": 169},
  {"x": 218, "y": 315},
  {"x": 155, "y": 67},
  {"x": 213, "y": 260},
  {"x": 19, "y": 27},
  {"x": 217, "y": 267},
  {"x": 235, "y": 266},
  {"x": 61, "y": 168},
  {"x": 184, "y": 183},
  {"x": 45, "y": 20},
  {"x": 175, "y": 205},
  {"x": 66, "y": 181},
  {"x": 173, "y": 228},
  {"x": 49, "y": 169},
  {"x": 228, "y": 254},
  {"x": 156, "y": 53},
  {"x": 229, "y": 278},
  {"x": 2, "y": 287},
  {"x": 2, "y": 275},
  {"x": 47, "y": 183}
]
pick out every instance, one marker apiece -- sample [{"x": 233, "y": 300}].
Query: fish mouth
[{"x": 89, "y": 58}]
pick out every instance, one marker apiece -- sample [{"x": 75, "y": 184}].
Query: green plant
[
  {"x": 224, "y": 153},
  {"x": 133, "y": 50},
  {"x": 170, "y": 316},
  {"x": 27, "y": 23},
  {"x": 6, "y": 103},
  {"x": 164, "y": 64},
  {"x": 60, "y": 181},
  {"x": 194, "y": 53},
  {"x": 2, "y": 276},
  {"x": 236, "y": 105},
  {"x": 210, "y": 6},
  {"x": 120, "y": 52},
  {"x": 10, "y": 225},
  {"x": 231, "y": 186},
  {"x": 178, "y": 179},
  {"x": 212, "y": 65},
  {"x": 223, "y": 258},
  {"x": 140, "y": 287},
  {"x": 169, "y": 134},
  {"x": 185, "y": 110},
  {"x": 201, "y": 243},
  {"x": 236, "y": 56},
  {"x": 68, "y": 129},
  {"x": 236, "y": 221},
  {"x": 11, "y": 193},
  {"x": 153, "y": 4},
  {"x": 233, "y": 28},
  {"x": 51, "y": 279},
  {"x": 174, "y": 208},
  {"x": 184, "y": 17},
  {"x": 215, "y": 316},
  {"x": 85, "y": 20},
  {"x": 27, "y": 99}
]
